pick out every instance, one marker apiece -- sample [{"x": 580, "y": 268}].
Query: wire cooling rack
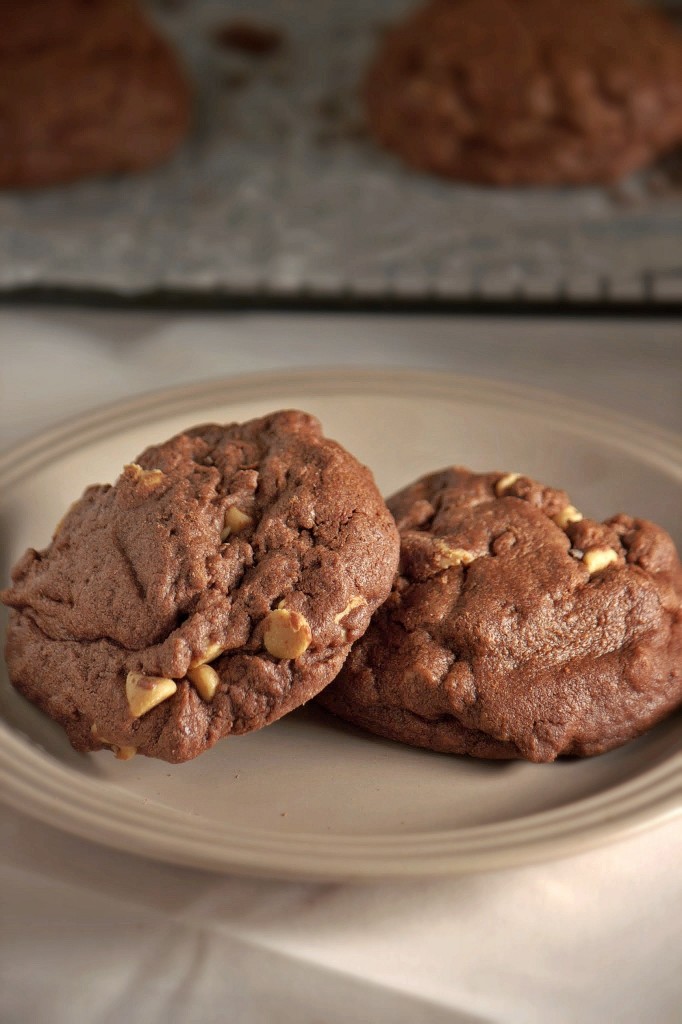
[{"x": 279, "y": 193}]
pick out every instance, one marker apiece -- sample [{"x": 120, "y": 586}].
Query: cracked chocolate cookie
[
  {"x": 516, "y": 628},
  {"x": 217, "y": 585},
  {"x": 528, "y": 91},
  {"x": 85, "y": 89}
]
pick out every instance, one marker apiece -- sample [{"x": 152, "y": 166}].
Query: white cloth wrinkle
[
  {"x": 153, "y": 966},
  {"x": 422, "y": 936},
  {"x": 391, "y": 931}
]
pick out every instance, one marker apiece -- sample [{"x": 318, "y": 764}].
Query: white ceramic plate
[{"x": 310, "y": 797}]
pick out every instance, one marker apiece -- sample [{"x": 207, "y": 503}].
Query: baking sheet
[{"x": 279, "y": 192}]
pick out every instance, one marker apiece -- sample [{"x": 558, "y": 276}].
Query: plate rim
[
  {"x": 578, "y": 415},
  {"x": 304, "y": 855}
]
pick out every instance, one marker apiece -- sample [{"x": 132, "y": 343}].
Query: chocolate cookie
[
  {"x": 528, "y": 91},
  {"x": 216, "y": 586},
  {"x": 516, "y": 628},
  {"x": 85, "y": 89}
]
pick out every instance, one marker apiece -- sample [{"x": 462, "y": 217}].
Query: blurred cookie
[
  {"x": 216, "y": 586},
  {"x": 528, "y": 91},
  {"x": 516, "y": 628},
  {"x": 86, "y": 88}
]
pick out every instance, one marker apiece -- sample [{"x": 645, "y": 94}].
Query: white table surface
[{"x": 92, "y": 935}]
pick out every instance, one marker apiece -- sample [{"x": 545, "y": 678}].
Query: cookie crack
[
  {"x": 29, "y": 613},
  {"x": 130, "y": 568}
]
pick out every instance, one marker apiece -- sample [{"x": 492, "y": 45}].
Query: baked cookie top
[
  {"x": 85, "y": 89},
  {"x": 528, "y": 91},
  {"x": 217, "y": 585},
  {"x": 515, "y": 627}
]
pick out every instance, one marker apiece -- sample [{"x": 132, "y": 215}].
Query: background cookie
[
  {"x": 528, "y": 91},
  {"x": 217, "y": 585},
  {"x": 85, "y": 89},
  {"x": 515, "y": 627}
]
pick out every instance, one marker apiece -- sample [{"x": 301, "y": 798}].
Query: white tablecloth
[{"x": 91, "y": 935}]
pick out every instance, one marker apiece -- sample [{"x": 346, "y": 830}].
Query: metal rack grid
[{"x": 279, "y": 194}]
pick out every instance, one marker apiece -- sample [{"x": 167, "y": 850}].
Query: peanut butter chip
[
  {"x": 235, "y": 522},
  {"x": 148, "y": 477},
  {"x": 287, "y": 634},
  {"x": 505, "y": 482},
  {"x": 145, "y": 692},
  {"x": 355, "y": 602},
  {"x": 210, "y": 654},
  {"x": 597, "y": 559},
  {"x": 205, "y": 681},
  {"x": 447, "y": 556},
  {"x": 124, "y": 753},
  {"x": 568, "y": 515}
]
